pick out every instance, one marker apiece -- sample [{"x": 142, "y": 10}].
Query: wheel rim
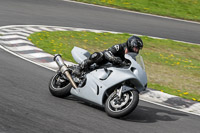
[
  {"x": 117, "y": 105},
  {"x": 57, "y": 82}
]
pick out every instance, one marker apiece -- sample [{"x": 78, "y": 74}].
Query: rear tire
[
  {"x": 128, "y": 103},
  {"x": 59, "y": 87}
]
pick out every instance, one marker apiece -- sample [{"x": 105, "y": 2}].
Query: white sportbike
[{"x": 116, "y": 88}]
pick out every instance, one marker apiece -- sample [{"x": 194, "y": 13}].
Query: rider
[{"x": 114, "y": 54}]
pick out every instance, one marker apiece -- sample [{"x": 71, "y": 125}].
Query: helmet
[{"x": 134, "y": 41}]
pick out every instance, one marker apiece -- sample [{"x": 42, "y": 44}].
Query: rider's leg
[
  {"x": 94, "y": 58},
  {"x": 82, "y": 66}
]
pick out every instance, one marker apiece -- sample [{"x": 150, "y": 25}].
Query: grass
[
  {"x": 172, "y": 67},
  {"x": 183, "y": 9}
]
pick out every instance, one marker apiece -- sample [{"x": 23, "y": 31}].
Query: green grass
[
  {"x": 172, "y": 67},
  {"x": 183, "y": 9}
]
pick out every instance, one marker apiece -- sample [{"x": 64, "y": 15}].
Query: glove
[
  {"x": 124, "y": 63},
  {"x": 117, "y": 60}
]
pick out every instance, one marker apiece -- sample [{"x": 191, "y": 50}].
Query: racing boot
[
  {"x": 81, "y": 67},
  {"x": 77, "y": 71}
]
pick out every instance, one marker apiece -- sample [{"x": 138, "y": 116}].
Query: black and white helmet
[{"x": 134, "y": 41}]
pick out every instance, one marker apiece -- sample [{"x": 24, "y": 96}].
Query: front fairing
[
  {"x": 137, "y": 57},
  {"x": 138, "y": 69}
]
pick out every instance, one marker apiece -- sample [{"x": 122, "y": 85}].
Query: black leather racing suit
[{"x": 114, "y": 54}]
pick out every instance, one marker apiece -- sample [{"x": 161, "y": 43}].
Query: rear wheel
[
  {"x": 119, "y": 107},
  {"x": 59, "y": 87}
]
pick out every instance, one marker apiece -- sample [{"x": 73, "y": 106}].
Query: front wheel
[
  {"x": 116, "y": 107},
  {"x": 59, "y": 86}
]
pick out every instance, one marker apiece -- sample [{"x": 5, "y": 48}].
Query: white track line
[
  {"x": 124, "y": 10},
  {"x": 17, "y": 41},
  {"x": 45, "y": 29},
  {"x": 37, "y": 55},
  {"x": 12, "y": 37},
  {"x": 14, "y": 33},
  {"x": 181, "y": 110},
  {"x": 33, "y": 29},
  {"x": 25, "y": 58},
  {"x": 23, "y": 48},
  {"x": 59, "y": 29},
  {"x": 10, "y": 31}
]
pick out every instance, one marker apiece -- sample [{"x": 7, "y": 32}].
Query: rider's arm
[{"x": 110, "y": 54}]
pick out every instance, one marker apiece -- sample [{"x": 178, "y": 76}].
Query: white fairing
[
  {"x": 99, "y": 80},
  {"x": 79, "y": 54}
]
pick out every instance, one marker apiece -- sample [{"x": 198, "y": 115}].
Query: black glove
[
  {"x": 124, "y": 63},
  {"x": 117, "y": 61}
]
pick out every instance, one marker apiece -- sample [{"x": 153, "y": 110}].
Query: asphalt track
[{"x": 25, "y": 102}]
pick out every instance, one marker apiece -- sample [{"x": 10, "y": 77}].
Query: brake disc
[{"x": 118, "y": 103}]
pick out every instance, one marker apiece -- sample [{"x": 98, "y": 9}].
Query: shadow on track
[
  {"x": 144, "y": 114},
  {"x": 141, "y": 114},
  {"x": 85, "y": 102}
]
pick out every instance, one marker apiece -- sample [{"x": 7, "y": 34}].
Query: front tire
[
  {"x": 59, "y": 86},
  {"x": 116, "y": 107}
]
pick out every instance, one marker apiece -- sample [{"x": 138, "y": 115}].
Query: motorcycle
[{"x": 116, "y": 88}]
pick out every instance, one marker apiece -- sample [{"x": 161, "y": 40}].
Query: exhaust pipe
[{"x": 63, "y": 68}]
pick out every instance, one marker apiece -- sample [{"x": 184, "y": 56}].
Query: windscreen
[
  {"x": 138, "y": 58},
  {"x": 140, "y": 61}
]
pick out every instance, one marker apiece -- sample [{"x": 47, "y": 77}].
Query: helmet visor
[{"x": 135, "y": 49}]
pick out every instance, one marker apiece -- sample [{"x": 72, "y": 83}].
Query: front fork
[
  {"x": 119, "y": 92},
  {"x": 123, "y": 89}
]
